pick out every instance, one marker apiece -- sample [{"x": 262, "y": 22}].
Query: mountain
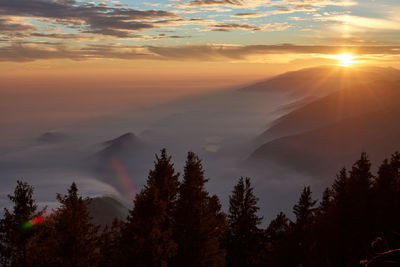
[
  {"x": 104, "y": 210},
  {"x": 52, "y": 137},
  {"x": 346, "y": 103},
  {"x": 320, "y": 81},
  {"x": 124, "y": 145},
  {"x": 328, "y": 133},
  {"x": 120, "y": 161}
]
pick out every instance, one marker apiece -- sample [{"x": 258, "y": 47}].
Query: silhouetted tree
[
  {"x": 16, "y": 232},
  {"x": 243, "y": 238},
  {"x": 199, "y": 222},
  {"x": 110, "y": 251},
  {"x": 147, "y": 235},
  {"x": 358, "y": 223},
  {"x": 304, "y": 209},
  {"x": 326, "y": 203},
  {"x": 340, "y": 187},
  {"x": 386, "y": 205},
  {"x": 305, "y": 217},
  {"x": 275, "y": 236},
  {"x": 278, "y": 227},
  {"x": 76, "y": 237}
]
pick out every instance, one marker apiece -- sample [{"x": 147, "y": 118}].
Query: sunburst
[{"x": 345, "y": 60}]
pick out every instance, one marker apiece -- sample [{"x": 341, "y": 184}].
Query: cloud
[
  {"x": 21, "y": 52},
  {"x": 358, "y": 22},
  {"x": 11, "y": 28},
  {"x": 248, "y": 15},
  {"x": 86, "y": 17},
  {"x": 300, "y": 5},
  {"x": 215, "y": 3},
  {"x": 8, "y": 25},
  {"x": 227, "y": 27}
]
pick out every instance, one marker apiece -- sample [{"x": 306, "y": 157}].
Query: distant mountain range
[
  {"x": 320, "y": 81},
  {"x": 320, "y": 137}
]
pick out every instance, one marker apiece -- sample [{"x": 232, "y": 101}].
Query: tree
[
  {"x": 278, "y": 227},
  {"x": 243, "y": 238},
  {"x": 340, "y": 187},
  {"x": 361, "y": 177},
  {"x": 199, "y": 222},
  {"x": 326, "y": 203},
  {"x": 304, "y": 210},
  {"x": 301, "y": 237},
  {"x": 147, "y": 235},
  {"x": 386, "y": 204},
  {"x": 110, "y": 253},
  {"x": 276, "y": 247},
  {"x": 75, "y": 236},
  {"x": 16, "y": 229}
]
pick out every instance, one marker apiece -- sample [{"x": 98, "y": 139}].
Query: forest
[{"x": 175, "y": 221}]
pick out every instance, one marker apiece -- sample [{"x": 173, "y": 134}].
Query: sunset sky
[{"x": 175, "y": 36}]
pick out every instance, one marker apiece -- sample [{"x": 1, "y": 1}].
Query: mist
[{"x": 220, "y": 126}]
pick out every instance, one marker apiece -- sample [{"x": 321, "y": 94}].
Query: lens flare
[
  {"x": 29, "y": 224},
  {"x": 123, "y": 176}
]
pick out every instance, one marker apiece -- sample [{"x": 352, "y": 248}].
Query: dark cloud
[
  {"x": 215, "y": 2},
  {"x": 100, "y": 19},
  {"x": 31, "y": 51},
  {"x": 227, "y": 27},
  {"x": 10, "y": 26},
  {"x": 248, "y": 15},
  {"x": 61, "y": 36}
]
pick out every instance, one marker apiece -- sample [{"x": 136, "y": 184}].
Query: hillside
[
  {"x": 324, "y": 150},
  {"x": 350, "y": 102}
]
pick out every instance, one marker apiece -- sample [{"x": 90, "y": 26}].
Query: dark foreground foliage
[{"x": 178, "y": 223}]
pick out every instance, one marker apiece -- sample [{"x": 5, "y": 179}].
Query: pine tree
[
  {"x": 277, "y": 234},
  {"x": 16, "y": 232},
  {"x": 353, "y": 215},
  {"x": 278, "y": 227},
  {"x": 301, "y": 236},
  {"x": 387, "y": 201},
  {"x": 326, "y": 203},
  {"x": 243, "y": 238},
  {"x": 76, "y": 237},
  {"x": 110, "y": 253},
  {"x": 304, "y": 209},
  {"x": 361, "y": 177},
  {"x": 340, "y": 187},
  {"x": 147, "y": 235},
  {"x": 199, "y": 222}
]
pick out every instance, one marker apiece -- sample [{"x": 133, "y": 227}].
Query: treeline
[{"x": 178, "y": 223}]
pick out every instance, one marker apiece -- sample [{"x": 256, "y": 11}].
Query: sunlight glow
[{"x": 345, "y": 60}]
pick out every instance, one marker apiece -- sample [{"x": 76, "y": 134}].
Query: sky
[{"x": 153, "y": 36}]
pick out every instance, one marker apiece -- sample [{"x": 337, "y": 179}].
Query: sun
[{"x": 345, "y": 60}]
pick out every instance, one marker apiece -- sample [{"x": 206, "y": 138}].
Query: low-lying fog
[{"x": 221, "y": 127}]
